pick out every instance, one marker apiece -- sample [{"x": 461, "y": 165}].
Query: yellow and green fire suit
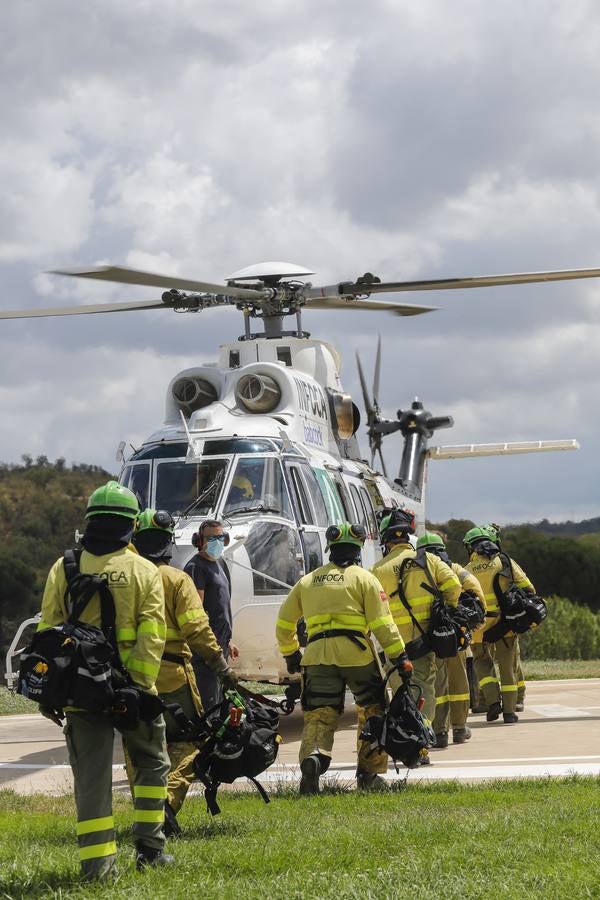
[
  {"x": 140, "y": 631},
  {"x": 333, "y": 599},
  {"x": 452, "y": 695},
  {"x": 505, "y": 650},
  {"x": 187, "y": 627},
  {"x": 420, "y": 600}
]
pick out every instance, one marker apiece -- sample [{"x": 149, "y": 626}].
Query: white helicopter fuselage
[{"x": 272, "y": 426}]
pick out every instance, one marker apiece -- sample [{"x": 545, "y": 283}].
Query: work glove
[
  {"x": 229, "y": 679},
  {"x": 404, "y": 666},
  {"x": 293, "y": 662},
  {"x": 55, "y": 715}
]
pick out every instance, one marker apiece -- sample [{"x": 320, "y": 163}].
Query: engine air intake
[
  {"x": 192, "y": 393},
  {"x": 258, "y": 393}
]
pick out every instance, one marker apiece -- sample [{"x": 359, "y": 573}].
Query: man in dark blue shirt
[{"x": 212, "y": 583}]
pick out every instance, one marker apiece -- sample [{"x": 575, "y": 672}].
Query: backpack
[
  {"x": 441, "y": 635},
  {"x": 242, "y": 741},
  {"x": 401, "y": 732},
  {"x": 466, "y": 617},
  {"x": 75, "y": 664},
  {"x": 520, "y": 610}
]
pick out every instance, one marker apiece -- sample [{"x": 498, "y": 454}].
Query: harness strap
[
  {"x": 349, "y": 633},
  {"x": 507, "y": 572},
  {"x": 174, "y": 658}
]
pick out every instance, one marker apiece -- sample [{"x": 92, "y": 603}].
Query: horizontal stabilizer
[{"x": 464, "y": 451}]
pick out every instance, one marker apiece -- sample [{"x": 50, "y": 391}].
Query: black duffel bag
[
  {"x": 241, "y": 741},
  {"x": 520, "y": 609},
  {"x": 401, "y": 732}
]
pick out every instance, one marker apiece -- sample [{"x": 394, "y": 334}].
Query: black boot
[
  {"x": 493, "y": 712},
  {"x": 151, "y": 856},
  {"x": 171, "y": 828},
  {"x": 311, "y": 771},
  {"x": 510, "y": 718},
  {"x": 441, "y": 740}
]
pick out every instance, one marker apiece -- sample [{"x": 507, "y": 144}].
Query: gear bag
[
  {"x": 520, "y": 610},
  {"x": 75, "y": 664},
  {"x": 466, "y": 616},
  {"x": 242, "y": 740},
  {"x": 402, "y": 732},
  {"x": 441, "y": 635}
]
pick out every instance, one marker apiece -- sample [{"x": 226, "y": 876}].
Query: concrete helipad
[{"x": 558, "y": 734}]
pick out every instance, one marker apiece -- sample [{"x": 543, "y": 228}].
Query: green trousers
[
  {"x": 451, "y": 693},
  {"x": 424, "y": 675},
  {"x": 520, "y": 676},
  {"x": 504, "y": 652},
  {"x": 90, "y": 744},
  {"x": 323, "y": 689}
]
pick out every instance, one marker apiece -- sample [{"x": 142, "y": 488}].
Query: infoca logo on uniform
[{"x": 328, "y": 578}]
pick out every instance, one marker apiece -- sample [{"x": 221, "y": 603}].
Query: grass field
[
  {"x": 501, "y": 840},
  {"x": 535, "y": 670}
]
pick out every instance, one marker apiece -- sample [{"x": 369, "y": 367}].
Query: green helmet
[
  {"x": 155, "y": 520},
  {"x": 397, "y": 524},
  {"x": 112, "y": 499},
  {"x": 493, "y": 531},
  {"x": 431, "y": 539},
  {"x": 346, "y": 533},
  {"x": 478, "y": 533}
]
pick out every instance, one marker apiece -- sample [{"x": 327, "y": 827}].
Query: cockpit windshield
[
  {"x": 179, "y": 484},
  {"x": 258, "y": 486}
]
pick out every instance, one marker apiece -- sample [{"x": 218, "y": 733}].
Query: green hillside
[{"x": 41, "y": 505}]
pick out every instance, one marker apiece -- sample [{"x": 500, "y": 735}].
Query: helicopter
[{"x": 265, "y": 440}]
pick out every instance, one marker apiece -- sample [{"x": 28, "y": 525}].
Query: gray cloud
[{"x": 406, "y": 140}]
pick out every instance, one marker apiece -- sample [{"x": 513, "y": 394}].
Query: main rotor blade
[
  {"x": 383, "y": 469},
  {"x": 82, "y": 310},
  {"x": 358, "y": 288},
  {"x": 132, "y": 276},
  {"x": 337, "y": 302},
  {"x": 363, "y": 383},
  {"x": 376, "y": 374}
]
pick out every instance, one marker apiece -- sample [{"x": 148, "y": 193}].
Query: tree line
[{"x": 42, "y": 504}]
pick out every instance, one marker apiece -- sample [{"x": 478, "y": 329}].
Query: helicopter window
[
  {"x": 313, "y": 551},
  {"x": 179, "y": 483},
  {"x": 371, "y": 521},
  {"x": 258, "y": 485},
  {"x": 304, "y": 511},
  {"x": 284, "y": 355},
  {"x": 314, "y": 492},
  {"x": 346, "y": 501},
  {"x": 359, "y": 506},
  {"x": 234, "y": 359},
  {"x": 335, "y": 512},
  {"x": 275, "y": 550},
  {"x": 160, "y": 451},
  {"x": 376, "y": 498},
  {"x": 137, "y": 479}
]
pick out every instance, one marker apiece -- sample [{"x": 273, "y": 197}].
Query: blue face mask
[{"x": 215, "y": 547}]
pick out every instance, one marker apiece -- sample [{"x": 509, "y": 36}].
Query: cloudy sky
[{"x": 409, "y": 139}]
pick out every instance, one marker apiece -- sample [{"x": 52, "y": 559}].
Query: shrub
[{"x": 571, "y": 631}]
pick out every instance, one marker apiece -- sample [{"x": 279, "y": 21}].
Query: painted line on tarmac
[
  {"x": 557, "y": 711},
  {"x": 450, "y": 773}
]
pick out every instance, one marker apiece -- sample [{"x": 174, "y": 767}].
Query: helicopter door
[
  {"x": 311, "y": 513},
  {"x": 366, "y": 515}
]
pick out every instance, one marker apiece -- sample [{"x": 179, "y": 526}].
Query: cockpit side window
[
  {"x": 137, "y": 479},
  {"x": 258, "y": 485},
  {"x": 333, "y": 505}
]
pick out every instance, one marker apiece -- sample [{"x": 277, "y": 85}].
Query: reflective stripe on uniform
[
  {"x": 520, "y": 684},
  {"x": 488, "y": 680},
  {"x": 382, "y": 620},
  {"x": 396, "y": 648},
  {"x": 136, "y": 665},
  {"x": 284, "y": 649},
  {"x": 420, "y": 617},
  {"x": 444, "y": 699},
  {"x": 289, "y": 626},
  {"x": 96, "y": 851},
  {"x": 454, "y": 698},
  {"x": 448, "y": 584},
  {"x": 126, "y": 634},
  {"x": 508, "y": 688},
  {"x": 190, "y": 615},
  {"x": 152, "y": 626},
  {"x": 150, "y": 792},
  {"x": 149, "y": 815},
  {"x": 89, "y": 825}
]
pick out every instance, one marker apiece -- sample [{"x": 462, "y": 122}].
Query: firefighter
[
  {"x": 452, "y": 694},
  {"x": 138, "y": 596},
  {"x": 341, "y": 604},
  {"x": 187, "y": 629},
  {"x": 395, "y": 530},
  {"x": 485, "y": 563}
]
